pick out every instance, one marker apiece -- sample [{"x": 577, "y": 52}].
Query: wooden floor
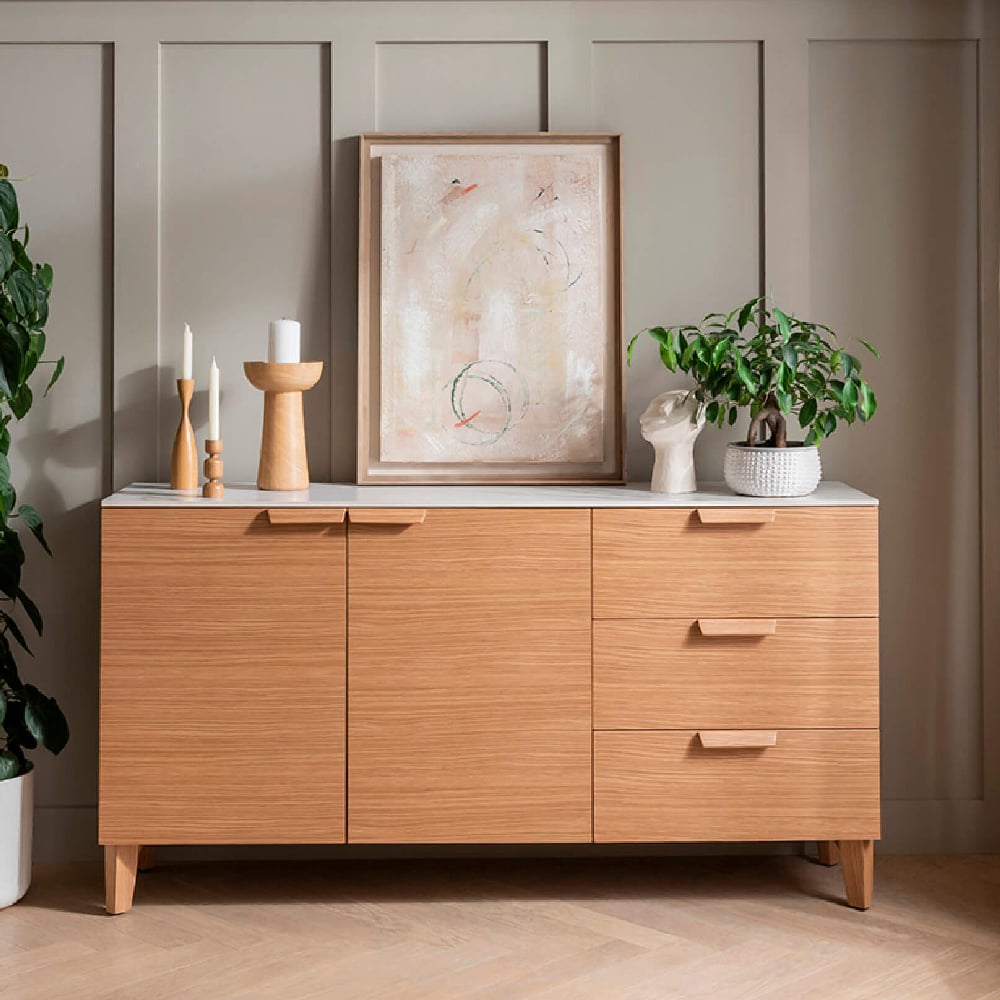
[{"x": 620, "y": 929}]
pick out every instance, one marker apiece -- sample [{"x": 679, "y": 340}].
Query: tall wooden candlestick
[
  {"x": 213, "y": 489},
  {"x": 283, "y": 461},
  {"x": 184, "y": 459}
]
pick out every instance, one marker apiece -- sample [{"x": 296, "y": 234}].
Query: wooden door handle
[
  {"x": 306, "y": 515},
  {"x": 735, "y": 515},
  {"x": 385, "y": 515},
  {"x": 737, "y": 739},
  {"x": 737, "y": 627}
]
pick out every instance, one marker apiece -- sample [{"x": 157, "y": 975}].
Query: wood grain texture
[
  {"x": 120, "y": 865},
  {"x": 469, "y": 699},
  {"x": 306, "y": 515},
  {"x": 222, "y": 679},
  {"x": 858, "y": 861},
  {"x": 828, "y": 852},
  {"x": 663, "y": 786},
  {"x": 813, "y": 673},
  {"x": 184, "y": 455},
  {"x": 737, "y": 739},
  {"x": 668, "y": 564},
  {"x": 284, "y": 464}
]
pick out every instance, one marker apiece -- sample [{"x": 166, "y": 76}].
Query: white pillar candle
[
  {"x": 213, "y": 402},
  {"x": 187, "y": 362},
  {"x": 284, "y": 341}
]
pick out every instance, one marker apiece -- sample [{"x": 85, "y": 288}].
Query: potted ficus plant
[
  {"x": 776, "y": 365},
  {"x": 28, "y": 718}
]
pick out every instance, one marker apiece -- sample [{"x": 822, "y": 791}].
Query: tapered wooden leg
[
  {"x": 147, "y": 857},
  {"x": 858, "y": 859},
  {"x": 828, "y": 853},
  {"x": 120, "y": 865}
]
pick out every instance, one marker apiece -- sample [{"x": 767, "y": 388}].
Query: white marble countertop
[{"x": 349, "y": 495}]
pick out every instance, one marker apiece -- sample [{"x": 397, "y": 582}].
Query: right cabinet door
[{"x": 469, "y": 710}]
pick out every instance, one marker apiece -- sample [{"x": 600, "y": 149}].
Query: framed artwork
[{"x": 490, "y": 329}]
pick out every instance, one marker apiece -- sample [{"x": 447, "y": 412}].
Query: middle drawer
[{"x": 811, "y": 673}]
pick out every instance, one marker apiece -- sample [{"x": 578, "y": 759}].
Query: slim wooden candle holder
[
  {"x": 184, "y": 459},
  {"x": 283, "y": 461},
  {"x": 213, "y": 489}
]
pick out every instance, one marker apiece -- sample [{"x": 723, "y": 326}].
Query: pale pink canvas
[{"x": 493, "y": 315}]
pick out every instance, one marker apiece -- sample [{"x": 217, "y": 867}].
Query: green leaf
[
  {"x": 11, "y": 561},
  {"x": 790, "y": 356},
  {"x": 807, "y": 413},
  {"x": 21, "y": 401},
  {"x": 864, "y": 343},
  {"x": 745, "y": 377},
  {"x": 815, "y": 434},
  {"x": 783, "y": 325},
  {"x": 712, "y": 412},
  {"x": 8, "y": 205},
  {"x": 4, "y": 172},
  {"x": 719, "y": 350},
  {"x": 628, "y": 350},
  {"x": 9, "y": 766},
  {"x": 15, "y": 630},
  {"x": 850, "y": 364},
  {"x": 45, "y": 276},
  {"x": 746, "y": 312},
  {"x": 688, "y": 353},
  {"x": 829, "y": 423},
  {"x": 31, "y": 518},
  {"x": 45, "y": 720},
  {"x": 6, "y": 255},
  {"x": 784, "y": 401},
  {"x": 867, "y": 403},
  {"x": 14, "y": 344},
  {"x": 55, "y": 375},
  {"x": 21, "y": 290},
  {"x": 31, "y": 610},
  {"x": 733, "y": 414},
  {"x": 850, "y": 398}
]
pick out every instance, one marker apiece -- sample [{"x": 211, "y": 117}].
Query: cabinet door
[
  {"x": 469, "y": 716},
  {"x": 222, "y": 678}
]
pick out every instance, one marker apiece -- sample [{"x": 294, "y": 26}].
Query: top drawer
[{"x": 806, "y": 562}]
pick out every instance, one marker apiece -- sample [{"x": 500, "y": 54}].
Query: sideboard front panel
[
  {"x": 222, "y": 678},
  {"x": 469, "y": 699},
  {"x": 810, "y": 562}
]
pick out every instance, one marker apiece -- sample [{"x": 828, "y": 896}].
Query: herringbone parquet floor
[{"x": 604, "y": 929}]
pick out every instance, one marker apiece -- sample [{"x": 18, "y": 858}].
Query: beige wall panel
[
  {"x": 463, "y": 86},
  {"x": 690, "y": 117},
  {"x": 57, "y": 133},
  {"x": 894, "y": 260},
  {"x": 245, "y": 231}
]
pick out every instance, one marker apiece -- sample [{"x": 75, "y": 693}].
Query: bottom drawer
[{"x": 811, "y": 784}]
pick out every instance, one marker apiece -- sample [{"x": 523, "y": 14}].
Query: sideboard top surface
[{"x": 829, "y": 494}]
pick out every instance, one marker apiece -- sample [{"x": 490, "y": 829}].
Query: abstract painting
[{"x": 497, "y": 307}]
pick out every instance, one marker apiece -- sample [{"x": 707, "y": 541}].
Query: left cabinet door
[{"x": 223, "y": 644}]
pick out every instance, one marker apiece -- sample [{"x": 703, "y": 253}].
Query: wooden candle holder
[
  {"x": 283, "y": 462},
  {"x": 184, "y": 459},
  {"x": 213, "y": 489}
]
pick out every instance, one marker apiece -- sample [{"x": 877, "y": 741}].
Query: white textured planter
[
  {"x": 17, "y": 799},
  {"x": 794, "y": 471}
]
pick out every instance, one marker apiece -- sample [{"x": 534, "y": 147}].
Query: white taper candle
[
  {"x": 187, "y": 362},
  {"x": 213, "y": 402}
]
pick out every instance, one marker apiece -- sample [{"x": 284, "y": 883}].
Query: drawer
[
  {"x": 811, "y": 673},
  {"x": 812, "y": 784},
  {"x": 808, "y": 562}
]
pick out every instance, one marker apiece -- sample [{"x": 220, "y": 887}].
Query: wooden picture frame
[{"x": 572, "y": 268}]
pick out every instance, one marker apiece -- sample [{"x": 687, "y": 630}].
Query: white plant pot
[
  {"x": 17, "y": 799},
  {"x": 794, "y": 471}
]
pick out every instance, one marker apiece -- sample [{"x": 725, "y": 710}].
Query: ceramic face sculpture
[{"x": 671, "y": 424}]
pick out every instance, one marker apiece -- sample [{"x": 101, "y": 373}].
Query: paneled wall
[{"x": 197, "y": 162}]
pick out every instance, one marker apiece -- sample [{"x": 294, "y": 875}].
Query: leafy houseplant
[
  {"x": 758, "y": 356},
  {"x": 28, "y": 718}
]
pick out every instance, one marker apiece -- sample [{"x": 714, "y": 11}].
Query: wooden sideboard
[{"x": 495, "y": 665}]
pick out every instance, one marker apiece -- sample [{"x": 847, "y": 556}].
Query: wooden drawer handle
[
  {"x": 306, "y": 515},
  {"x": 737, "y": 739},
  {"x": 737, "y": 627},
  {"x": 737, "y": 515},
  {"x": 382, "y": 515}
]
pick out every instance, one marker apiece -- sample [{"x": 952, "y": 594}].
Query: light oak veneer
[
  {"x": 811, "y": 673},
  {"x": 222, "y": 679},
  {"x": 665, "y": 786},
  {"x": 469, "y": 697},
  {"x": 808, "y": 562}
]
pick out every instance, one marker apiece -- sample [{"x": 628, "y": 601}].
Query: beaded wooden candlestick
[
  {"x": 184, "y": 459},
  {"x": 283, "y": 462},
  {"x": 213, "y": 489}
]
